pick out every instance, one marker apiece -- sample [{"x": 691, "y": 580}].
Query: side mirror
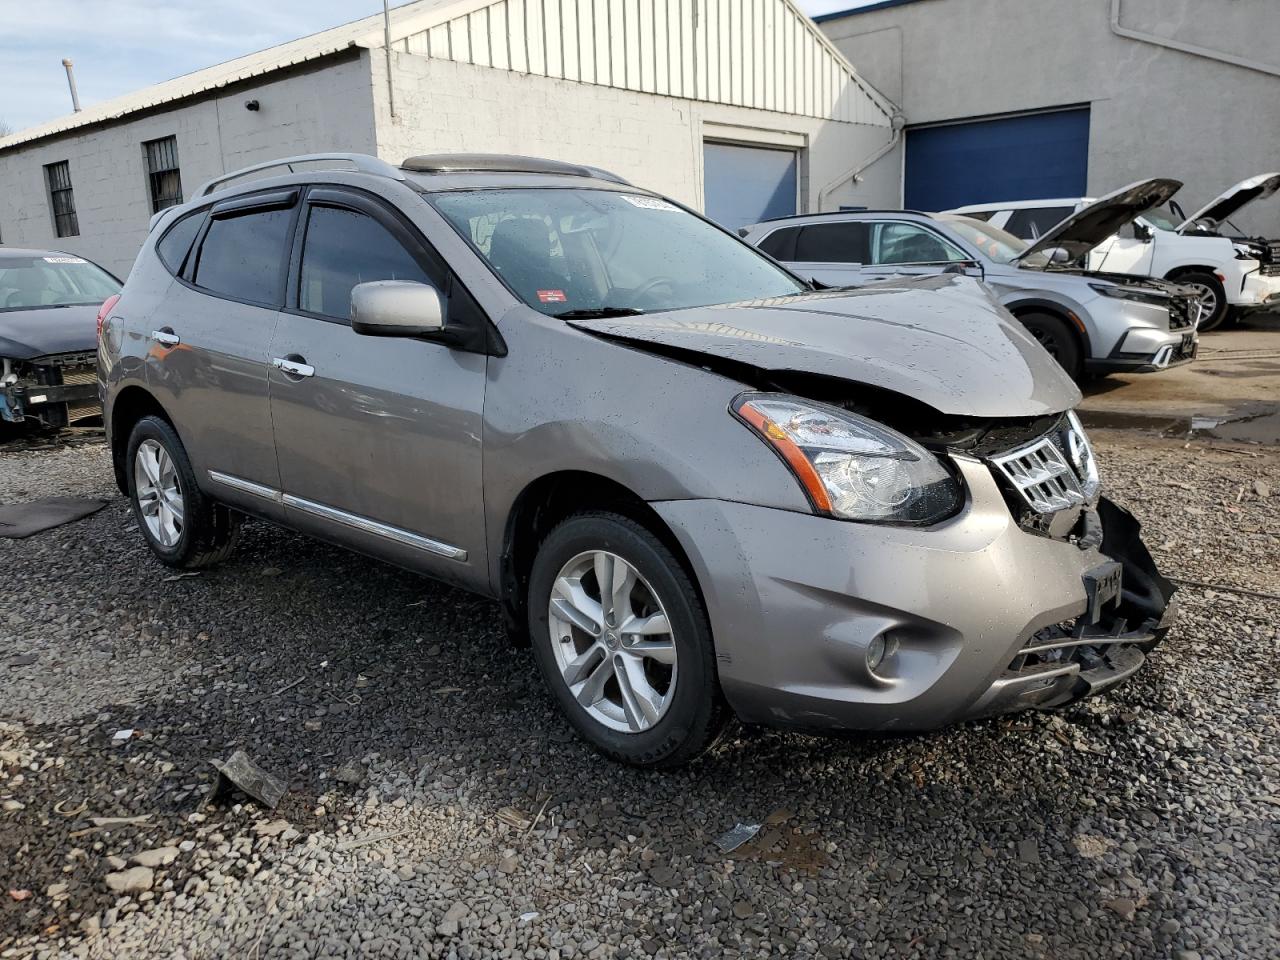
[
  {"x": 1057, "y": 255},
  {"x": 396, "y": 308},
  {"x": 1142, "y": 232}
]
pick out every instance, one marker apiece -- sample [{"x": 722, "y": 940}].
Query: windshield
[
  {"x": 1162, "y": 217},
  {"x": 573, "y": 251},
  {"x": 992, "y": 241},
  {"x": 53, "y": 280}
]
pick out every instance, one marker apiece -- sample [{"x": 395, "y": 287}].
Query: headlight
[
  {"x": 1129, "y": 293},
  {"x": 851, "y": 467}
]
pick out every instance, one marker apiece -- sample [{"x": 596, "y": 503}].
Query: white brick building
[{"x": 744, "y": 110}]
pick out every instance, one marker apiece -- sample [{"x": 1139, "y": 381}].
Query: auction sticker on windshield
[{"x": 650, "y": 203}]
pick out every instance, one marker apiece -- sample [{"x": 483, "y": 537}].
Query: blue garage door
[
  {"x": 1015, "y": 158},
  {"x": 744, "y": 185}
]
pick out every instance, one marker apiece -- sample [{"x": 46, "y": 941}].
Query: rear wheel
[
  {"x": 1057, "y": 338},
  {"x": 182, "y": 526},
  {"x": 1213, "y": 298},
  {"x": 621, "y": 638}
]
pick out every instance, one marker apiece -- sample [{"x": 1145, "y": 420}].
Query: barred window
[
  {"x": 61, "y": 199},
  {"x": 162, "y": 172}
]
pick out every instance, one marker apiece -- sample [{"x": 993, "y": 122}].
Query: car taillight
[{"x": 107, "y": 306}]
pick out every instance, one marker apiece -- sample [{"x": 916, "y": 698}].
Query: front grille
[
  {"x": 1184, "y": 312},
  {"x": 1053, "y": 473},
  {"x": 1270, "y": 270},
  {"x": 85, "y": 358},
  {"x": 76, "y": 375}
]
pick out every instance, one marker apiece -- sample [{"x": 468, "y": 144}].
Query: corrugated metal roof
[
  {"x": 366, "y": 32},
  {"x": 409, "y": 25}
]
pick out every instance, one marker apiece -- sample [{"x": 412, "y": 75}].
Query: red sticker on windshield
[{"x": 552, "y": 296}]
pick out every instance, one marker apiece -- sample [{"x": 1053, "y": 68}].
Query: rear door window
[
  {"x": 343, "y": 248},
  {"x": 781, "y": 244},
  {"x": 834, "y": 243},
  {"x": 244, "y": 255},
  {"x": 1032, "y": 223}
]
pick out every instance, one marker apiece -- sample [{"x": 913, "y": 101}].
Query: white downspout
[
  {"x": 1194, "y": 50},
  {"x": 898, "y": 123}
]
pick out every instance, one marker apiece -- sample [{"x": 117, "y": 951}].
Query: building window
[
  {"x": 162, "y": 173},
  {"x": 61, "y": 199}
]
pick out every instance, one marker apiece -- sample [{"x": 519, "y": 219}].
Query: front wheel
[
  {"x": 1056, "y": 337},
  {"x": 182, "y": 526},
  {"x": 621, "y": 638}
]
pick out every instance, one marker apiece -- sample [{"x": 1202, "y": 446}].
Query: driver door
[{"x": 378, "y": 438}]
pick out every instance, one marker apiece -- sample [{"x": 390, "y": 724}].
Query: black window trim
[
  {"x": 259, "y": 201},
  {"x": 456, "y": 334}
]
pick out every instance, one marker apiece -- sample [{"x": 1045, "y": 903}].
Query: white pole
[{"x": 386, "y": 29}]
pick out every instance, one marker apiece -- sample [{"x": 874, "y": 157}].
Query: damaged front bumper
[
  {"x": 53, "y": 391},
  {"x": 822, "y": 624}
]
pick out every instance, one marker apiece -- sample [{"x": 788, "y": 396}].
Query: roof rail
[
  {"x": 360, "y": 161},
  {"x": 503, "y": 163}
]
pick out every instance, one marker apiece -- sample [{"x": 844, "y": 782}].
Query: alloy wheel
[
  {"x": 1047, "y": 340},
  {"x": 612, "y": 642},
  {"x": 159, "y": 492}
]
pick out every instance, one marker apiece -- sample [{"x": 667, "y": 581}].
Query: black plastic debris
[
  {"x": 19, "y": 520},
  {"x": 241, "y": 773}
]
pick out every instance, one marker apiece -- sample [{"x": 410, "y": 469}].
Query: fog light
[{"x": 875, "y": 653}]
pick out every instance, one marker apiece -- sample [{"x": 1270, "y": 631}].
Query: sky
[{"x": 122, "y": 45}]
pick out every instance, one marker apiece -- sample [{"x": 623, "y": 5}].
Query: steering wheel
[{"x": 646, "y": 288}]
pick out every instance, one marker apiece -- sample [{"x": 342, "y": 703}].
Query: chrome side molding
[{"x": 352, "y": 520}]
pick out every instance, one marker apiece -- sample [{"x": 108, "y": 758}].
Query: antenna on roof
[{"x": 71, "y": 82}]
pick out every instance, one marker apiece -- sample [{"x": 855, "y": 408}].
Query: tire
[
  {"x": 1209, "y": 286},
  {"x": 692, "y": 714},
  {"x": 206, "y": 532},
  {"x": 1058, "y": 339}
]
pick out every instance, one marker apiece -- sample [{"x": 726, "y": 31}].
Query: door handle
[
  {"x": 166, "y": 336},
  {"x": 295, "y": 368}
]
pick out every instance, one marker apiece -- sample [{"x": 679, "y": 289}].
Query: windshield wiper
[{"x": 598, "y": 313}]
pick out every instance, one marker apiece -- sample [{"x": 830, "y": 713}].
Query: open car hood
[
  {"x": 941, "y": 340},
  {"x": 1085, "y": 229},
  {"x": 1234, "y": 200}
]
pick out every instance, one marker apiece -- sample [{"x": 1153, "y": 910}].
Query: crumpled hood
[
  {"x": 1091, "y": 225},
  {"x": 941, "y": 340},
  {"x": 47, "y": 330},
  {"x": 1234, "y": 200}
]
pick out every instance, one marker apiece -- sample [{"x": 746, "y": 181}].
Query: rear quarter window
[
  {"x": 243, "y": 256},
  {"x": 780, "y": 244},
  {"x": 173, "y": 247}
]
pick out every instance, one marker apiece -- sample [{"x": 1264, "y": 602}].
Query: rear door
[
  {"x": 210, "y": 343},
  {"x": 378, "y": 438},
  {"x": 831, "y": 253}
]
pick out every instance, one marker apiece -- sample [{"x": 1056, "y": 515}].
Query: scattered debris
[
  {"x": 372, "y": 838},
  {"x": 241, "y": 772},
  {"x": 272, "y": 828},
  {"x": 159, "y": 857},
  {"x": 173, "y": 578},
  {"x": 23, "y": 659},
  {"x": 1029, "y": 850},
  {"x": 529, "y": 916},
  {"x": 105, "y": 823},
  {"x": 122, "y": 735},
  {"x": 19, "y": 895},
  {"x": 740, "y": 834},
  {"x": 75, "y": 812},
  {"x": 514, "y": 818},
  {"x": 1262, "y": 488},
  {"x": 1091, "y": 847},
  {"x": 352, "y": 773}
]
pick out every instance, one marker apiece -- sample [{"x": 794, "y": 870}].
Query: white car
[{"x": 1233, "y": 274}]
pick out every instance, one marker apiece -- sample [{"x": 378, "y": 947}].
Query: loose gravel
[{"x": 439, "y": 807}]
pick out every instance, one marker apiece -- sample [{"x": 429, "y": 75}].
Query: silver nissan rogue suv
[{"x": 697, "y": 486}]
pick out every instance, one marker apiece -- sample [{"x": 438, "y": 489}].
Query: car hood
[
  {"x": 1234, "y": 200},
  {"x": 47, "y": 330},
  {"x": 1091, "y": 225},
  {"x": 942, "y": 340}
]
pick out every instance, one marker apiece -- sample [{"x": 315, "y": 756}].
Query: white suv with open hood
[{"x": 1232, "y": 273}]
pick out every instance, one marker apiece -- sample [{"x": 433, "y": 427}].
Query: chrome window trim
[{"x": 352, "y": 520}]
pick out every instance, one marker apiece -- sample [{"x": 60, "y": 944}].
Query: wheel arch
[
  {"x": 1186, "y": 268},
  {"x": 128, "y": 407},
  {"x": 1021, "y": 308},
  {"x": 540, "y": 506}
]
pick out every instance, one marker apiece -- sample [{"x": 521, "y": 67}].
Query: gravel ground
[{"x": 439, "y": 807}]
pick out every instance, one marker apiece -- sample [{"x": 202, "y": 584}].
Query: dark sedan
[{"x": 49, "y": 302}]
